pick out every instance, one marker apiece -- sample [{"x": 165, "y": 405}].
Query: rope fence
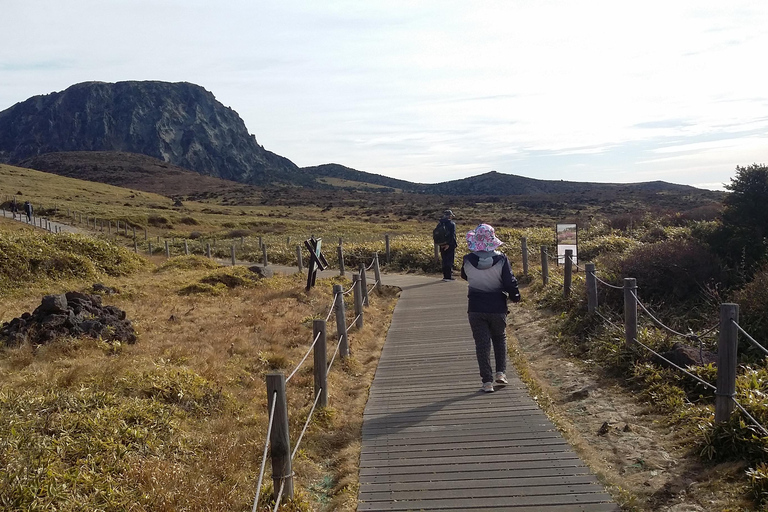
[
  {"x": 728, "y": 332},
  {"x": 278, "y": 429}
]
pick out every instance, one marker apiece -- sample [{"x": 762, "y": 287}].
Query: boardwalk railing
[
  {"x": 277, "y": 436},
  {"x": 728, "y": 329}
]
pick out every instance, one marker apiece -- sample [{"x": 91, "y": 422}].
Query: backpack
[{"x": 440, "y": 234}]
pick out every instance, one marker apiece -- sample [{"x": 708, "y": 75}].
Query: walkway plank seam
[{"x": 433, "y": 441}]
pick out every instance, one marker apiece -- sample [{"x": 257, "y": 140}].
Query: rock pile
[{"x": 70, "y": 314}]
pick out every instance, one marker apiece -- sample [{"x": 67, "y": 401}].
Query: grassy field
[{"x": 177, "y": 421}]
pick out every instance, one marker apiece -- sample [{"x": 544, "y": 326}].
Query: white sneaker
[
  {"x": 487, "y": 387},
  {"x": 501, "y": 378}
]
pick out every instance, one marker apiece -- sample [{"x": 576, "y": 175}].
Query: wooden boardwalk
[{"x": 433, "y": 441}]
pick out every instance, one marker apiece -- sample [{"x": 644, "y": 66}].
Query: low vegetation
[{"x": 176, "y": 421}]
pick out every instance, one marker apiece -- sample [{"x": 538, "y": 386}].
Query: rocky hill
[{"x": 179, "y": 123}]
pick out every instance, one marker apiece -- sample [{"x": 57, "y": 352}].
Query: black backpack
[{"x": 440, "y": 234}]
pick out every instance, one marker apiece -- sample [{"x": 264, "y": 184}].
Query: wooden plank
[{"x": 432, "y": 441}]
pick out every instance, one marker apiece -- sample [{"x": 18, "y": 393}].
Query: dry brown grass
[{"x": 197, "y": 372}]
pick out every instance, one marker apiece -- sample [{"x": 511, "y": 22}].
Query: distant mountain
[
  {"x": 496, "y": 183},
  {"x": 179, "y": 123},
  {"x": 184, "y": 125}
]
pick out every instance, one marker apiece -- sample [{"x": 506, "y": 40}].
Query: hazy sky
[{"x": 431, "y": 91}]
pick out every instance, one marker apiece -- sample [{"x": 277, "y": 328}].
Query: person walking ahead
[
  {"x": 491, "y": 283},
  {"x": 447, "y": 243}
]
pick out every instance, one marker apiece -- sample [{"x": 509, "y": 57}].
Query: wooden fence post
[
  {"x": 299, "y": 259},
  {"x": 145, "y": 233},
  {"x": 364, "y": 285},
  {"x": 109, "y": 227},
  {"x": 544, "y": 265},
  {"x": 208, "y": 249},
  {"x": 358, "y": 296},
  {"x": 630, "y": 311},
  {"x": 377, "y": 271},
  {"x": 321, "y": 363},
  {"x": 280, "y": 445},
  {"x": 234, "y": 261},
  {"x": 591, "y": 287},
  {"x": 261, "y": 242},
  {"x": 524, "y": 250},
  {"x": 340, "y": 256},
  {"x": 149, "y": 248},
  {"x": 727, "y": 348},
  {"x": 167, "y": 250},
  {"x": 341, "y": 321},
  {"x": 568, "y": 272},
  {"x": 388, "y": 259},
  {"x": 264, "y": 255},
  {"x": 186, "y": 248},
  {"x": 134, "y": 232},
  {"x": 135, "y": 246}
]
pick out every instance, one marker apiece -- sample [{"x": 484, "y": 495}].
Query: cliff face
[{"x": 180, "y": 123}]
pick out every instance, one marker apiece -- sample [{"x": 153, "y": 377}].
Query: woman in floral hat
[{"x": 491, "y": 284}]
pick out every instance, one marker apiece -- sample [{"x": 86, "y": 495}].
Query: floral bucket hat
[{"x": 483, "y": 238}]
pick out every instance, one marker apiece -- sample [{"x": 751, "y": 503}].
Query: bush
[
  {"x": 672, "y": 271},
  {"x": 753, "y": 305}
]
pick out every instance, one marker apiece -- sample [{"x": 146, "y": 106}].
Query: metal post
[
  {"x": 630, "y": 311},
  {"x": 568, "y": 272},
  {"x": 377, "y": 271},
  {"x": 340, "y": 256},
  {"x": 299, "y": 260},
  {"x": 321, "y": 363},
  {"x": 358, "y": 296},
  {"x": 364, "y": 285},
  {"x": 280, "y": 445},
  {"x": 386, "y": 246},
  {"x": 341, "y": 321},
  {"x": 591, "y": 287},
  {"x": 264, "y": 255},
  {"x": 524, "y": 250},
  {"x": 544, "y": 265},
  {"x": 727, "y": 348}
]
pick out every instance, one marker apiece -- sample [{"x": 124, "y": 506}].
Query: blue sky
[{"x": 431, "y": 91}]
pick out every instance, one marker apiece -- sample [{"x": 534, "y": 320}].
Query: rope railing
[
  {"x": 309, "y": 351},
  {"x": 701, "y": 381},
  {"x": 279, "y": 494},
  {"x": 751, "y": 418},
  {"x": 656, "y": 320},
  {"x": 353, "y": 323},
  {"x": 306, "y": 424},
  {"x": 264, "y": 455},
  {"x": 609, "y": 285},
  {"x": 576, "y": 265},
  {"x": 335, "y": 353},
  {"x": 750, "y": 338},
  {"x": 277, "y": 381}
]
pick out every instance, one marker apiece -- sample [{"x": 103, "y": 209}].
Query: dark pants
[
  {"x": 487, "y": 329},
  {"x": 448, "y": 256}
]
